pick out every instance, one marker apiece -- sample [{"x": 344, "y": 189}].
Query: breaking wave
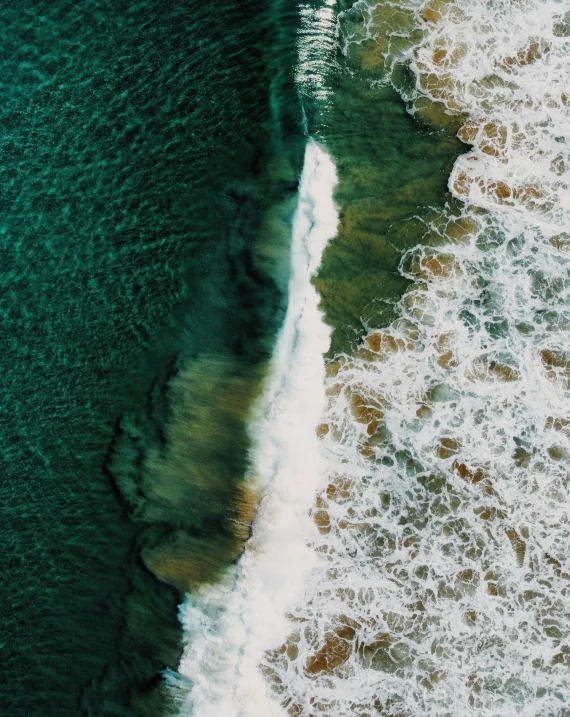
[{"x": 229, "y": 626}]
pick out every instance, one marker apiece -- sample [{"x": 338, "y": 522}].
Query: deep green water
[{"x": 142, "y": 147}]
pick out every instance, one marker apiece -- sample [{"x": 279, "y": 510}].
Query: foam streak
[{"x": 441, "y": 584}]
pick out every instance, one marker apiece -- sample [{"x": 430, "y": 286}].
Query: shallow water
[
  {"x": 441, "y": 587},
  {"x": 409, "y": 554}
]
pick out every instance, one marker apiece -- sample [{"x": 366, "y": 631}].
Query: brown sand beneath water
[
  {"x": 192, "y": 492},
  {"x": 392, "y": 178},
  {"x": 392, "y": 194}
]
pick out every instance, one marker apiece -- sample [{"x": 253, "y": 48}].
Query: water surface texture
[
  {"x": 327, "y": 417},
  {"x": 142, "y": 146}
]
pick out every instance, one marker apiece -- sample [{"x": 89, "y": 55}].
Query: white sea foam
[
  {"x": 228, "y": 627},
  {"x": 442, "y": 574}
]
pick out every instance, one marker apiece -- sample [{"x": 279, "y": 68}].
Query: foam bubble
[{"x": 441, "y": 582}]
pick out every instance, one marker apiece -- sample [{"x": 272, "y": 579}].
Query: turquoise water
[{"x": 142, "y": 145}]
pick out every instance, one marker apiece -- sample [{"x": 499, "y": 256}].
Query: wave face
[
  {"x": 441, "y": 579},
  {"x": 229, "y": 626}
]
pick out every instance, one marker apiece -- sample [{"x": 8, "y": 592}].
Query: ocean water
[
  {"x": 434, "y": 577},
  {"x": 150, "y": 158},
  {"x": 285, "y": 297}
]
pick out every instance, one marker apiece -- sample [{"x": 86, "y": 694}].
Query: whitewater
[
  {"x": 229, "y": 626},
  {"x": 443, "y": 560},
  {"x": 412, "y": 552}
]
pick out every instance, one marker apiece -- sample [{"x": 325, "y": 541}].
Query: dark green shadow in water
[{"x": 150, "y": 156}]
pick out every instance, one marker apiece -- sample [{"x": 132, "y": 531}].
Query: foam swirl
[{"x": 443, "y": 573}]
